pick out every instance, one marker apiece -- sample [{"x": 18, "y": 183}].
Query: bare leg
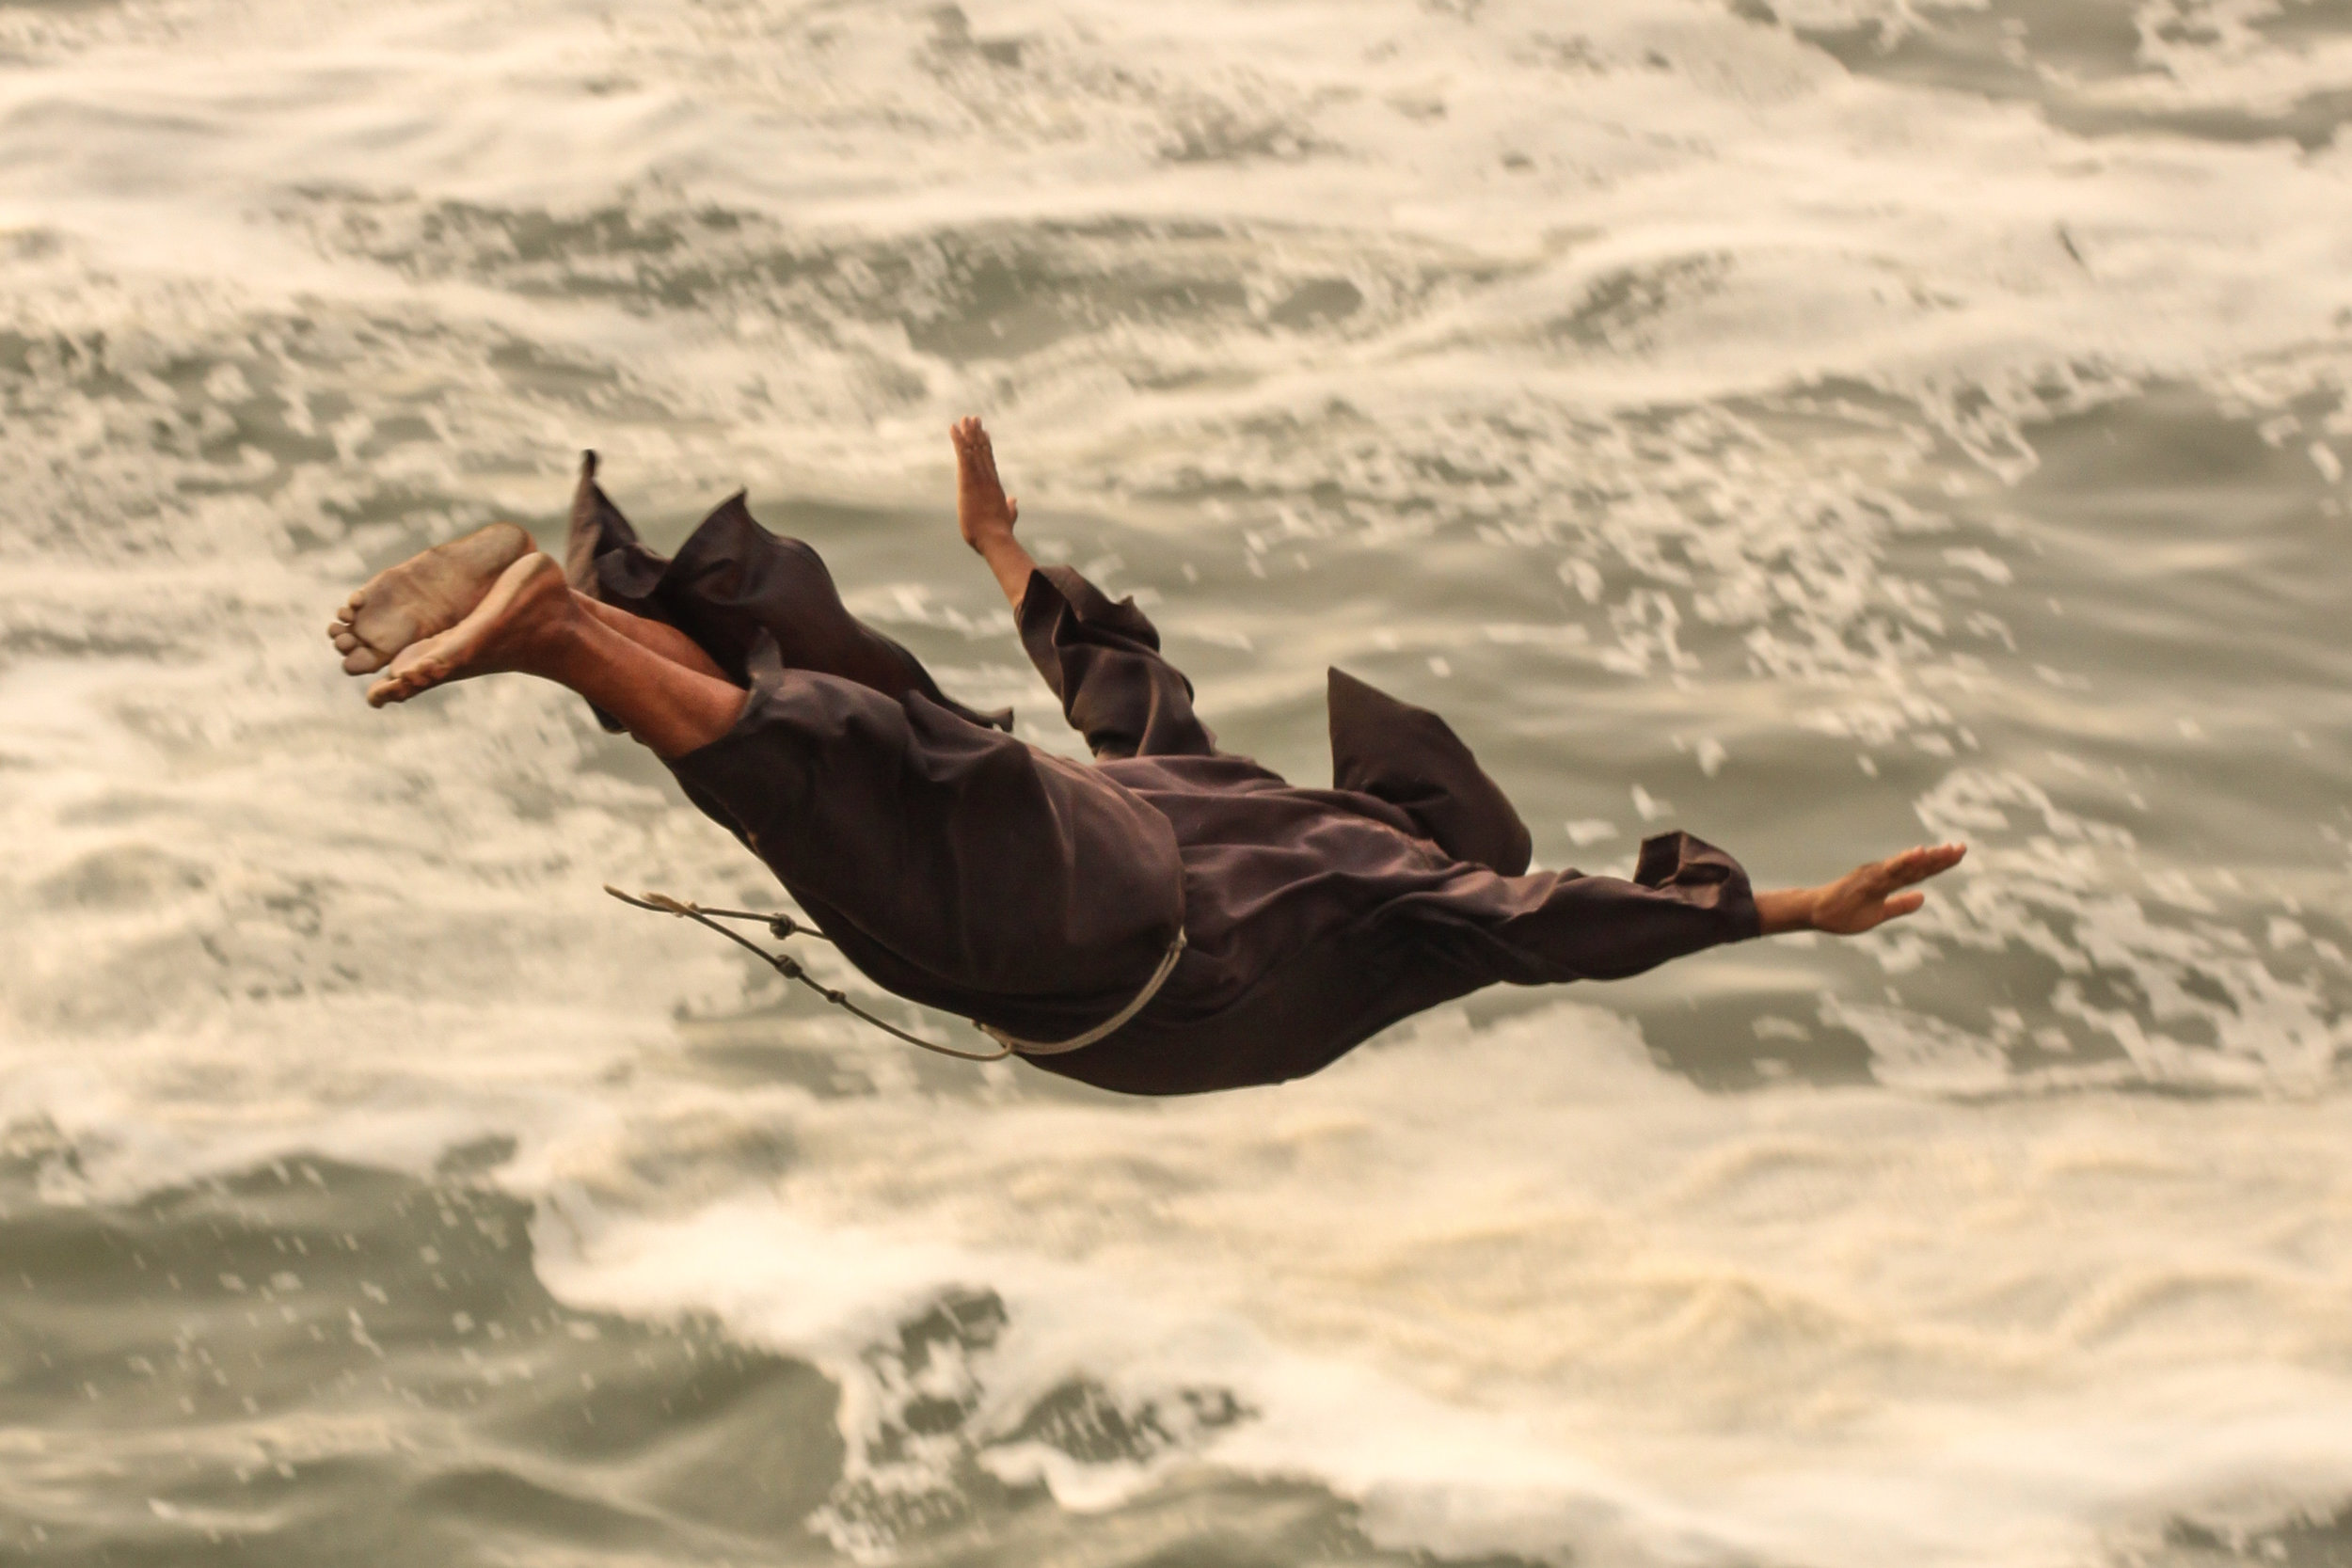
[
  {"x": 531, "y": 623},
  {"x": 985, "y": 514},
  {"x": 667, "y": 641}
]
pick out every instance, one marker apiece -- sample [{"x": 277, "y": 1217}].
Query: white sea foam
[
  {"x": 1513, "y": 1288},
  {"x": 1695, "y": 371}
]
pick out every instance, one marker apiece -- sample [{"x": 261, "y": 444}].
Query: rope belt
[{"x": 782, "y": 926}]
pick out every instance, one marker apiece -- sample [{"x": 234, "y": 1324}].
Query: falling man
[{"x": 1239, "y": 929}]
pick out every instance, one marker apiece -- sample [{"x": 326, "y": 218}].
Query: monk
[{"x": 1238, "y": 929}]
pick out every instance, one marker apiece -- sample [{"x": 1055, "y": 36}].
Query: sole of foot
[
  {"x": 526, "y": 606},
  {"x": 422, "y": 596}
]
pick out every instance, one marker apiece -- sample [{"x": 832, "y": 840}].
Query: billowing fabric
[
  {"x": 733, "y": 583},
  {"x": 969, "y": 871}
]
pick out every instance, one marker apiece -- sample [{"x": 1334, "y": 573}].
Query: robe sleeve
[
  {"x": 1411, "y": 758},
  {"x": 1686, "y": 894},
  {"x": 1103, "y": 661}
]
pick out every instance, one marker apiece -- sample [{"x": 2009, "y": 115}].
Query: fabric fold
[
  {"x": 1102, "y": 660},
  {"x": 733, "y": 583},
  {"x": 953, "y": 865},
  {"x": 966, "y": 870},
  {"x": 1413, "y": 759}
]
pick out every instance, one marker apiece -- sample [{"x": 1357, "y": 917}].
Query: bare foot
[
  {"x": 520, "y": 625},
  {"x": 984, "y": 514},
  {"x": 425, "y": 595}
]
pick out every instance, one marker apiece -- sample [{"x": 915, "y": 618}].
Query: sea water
[{"x": 1822, "y": 425}]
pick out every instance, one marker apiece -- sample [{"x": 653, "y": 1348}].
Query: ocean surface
[{"x": 1823, "y": 425}]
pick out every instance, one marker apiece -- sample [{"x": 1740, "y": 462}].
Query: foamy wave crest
[{"x": 1618, "y": 1316}]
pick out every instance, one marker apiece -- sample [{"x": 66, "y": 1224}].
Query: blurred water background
[{"x": 1821, "y": 424}]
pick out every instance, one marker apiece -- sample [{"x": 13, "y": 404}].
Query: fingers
[
  {"x": 1933, "y": 860},
  {"x": 1916, "y": 865},
  {"x": 1869, "y": 895},
  {"x": 1013, "y": 509},
  {"x": 974, "y": 452},
  {"x": 1901, "y": 905}
]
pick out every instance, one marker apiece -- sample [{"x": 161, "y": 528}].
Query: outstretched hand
[
  {"x": 983, "y": 511},
  {"x": 984, "y": 514},
  {"x": 1865, "y": 897}
]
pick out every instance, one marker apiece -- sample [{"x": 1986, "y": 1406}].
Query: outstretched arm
[
  {"x": 1867, "y": 897},
  {"x": 985, "y": 514}
]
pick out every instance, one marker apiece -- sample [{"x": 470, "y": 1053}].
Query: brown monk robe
[{"x": 969, "y": 871}]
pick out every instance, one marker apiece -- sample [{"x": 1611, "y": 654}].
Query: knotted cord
[{"x": 783, "y": 927}]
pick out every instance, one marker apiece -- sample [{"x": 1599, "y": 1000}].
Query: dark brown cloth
[
  {"x": 969, "y": 871},
  {"x": 733, "y": 583}
]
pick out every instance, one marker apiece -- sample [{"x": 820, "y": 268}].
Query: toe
[
  {"x": 395, "y": 687},
  {"x": 363, "y": 660}
]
